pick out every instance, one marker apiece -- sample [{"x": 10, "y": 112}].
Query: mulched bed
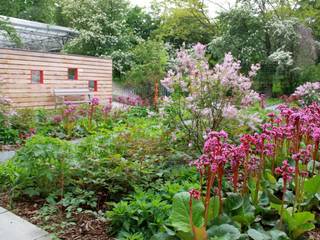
[{"x": 84, "y": 226}]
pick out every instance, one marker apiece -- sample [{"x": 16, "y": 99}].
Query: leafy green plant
[
  {"x": 142, "y": 212},
  {"x": 42, "y": 167}
]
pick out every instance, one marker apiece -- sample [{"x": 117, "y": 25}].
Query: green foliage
[
  {"x": 308, "y": 74},
  {"x": 143, "y": 212},
  {"x": 150, "y": 61},
  {"x": 181, "y": 212},
  {"x": 34, "y": 10},
  {"x": 39, "y": 168},
  {"x": 224, "y": 231},
  {"x": 185, "y": 24},
  {"x": 242, "y": 33},
  {"x": 10, "y": 32},
  {"x": 299, "y": 223},
  {"x": 107, "y": 28}
]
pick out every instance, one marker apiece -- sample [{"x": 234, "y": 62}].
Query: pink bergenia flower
[
  {"x": 94, "y": 101},
  {"x": 57, "y": 119},
  {"x": 195, "y": 194},
  {"x": 286, "y": 171}
]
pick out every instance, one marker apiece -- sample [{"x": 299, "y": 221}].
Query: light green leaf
[
  {"x": 224, "y": 230},
  {"x": 180, "y": 218},
  {"x": 214, "y": 207},
  {"x": 233, "y": 201},
  {"x": 278, "y": 235},
  {"x": 312, "y": 186},
  {"x": 256, "y": 235}
]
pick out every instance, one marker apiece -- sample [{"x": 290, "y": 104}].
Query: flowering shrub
[
  {"x": 308, "y": 93},
  {"x": 252, "y": 167},
  {"x": 205, "y": 96}
]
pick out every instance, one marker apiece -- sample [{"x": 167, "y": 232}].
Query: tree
[
  {"x": 10, "y": 32},
  {"x": 103, "y": 30},
  {"x": 34, "y": 10},
  {"x": 309, "y": 12},
  {"x": 243, "y": 34},
  {"x": 150, "y": 61},
  {"x": 141, "y": 22},
  {"x": 184, "y": 22}
]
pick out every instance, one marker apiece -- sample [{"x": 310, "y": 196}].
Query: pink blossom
[
  {"x": 230, "y": 111},
  {"x": 285, "y": 170},
  {"x": 195, "y": 194},
  {"x": 94, "y": 101},
  {"x": 199, "y": 50}
]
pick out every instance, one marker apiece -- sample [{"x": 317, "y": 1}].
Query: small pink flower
[
  {"x": 285, "y": 170},
  {"x": 195, "y": 194},
  {"x": 94, "y": 101}
]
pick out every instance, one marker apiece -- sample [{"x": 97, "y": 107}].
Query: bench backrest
[{"x": 71, "y": 92}]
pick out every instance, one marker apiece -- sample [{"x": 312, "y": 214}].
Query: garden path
[{"x": 13, "y": 227}]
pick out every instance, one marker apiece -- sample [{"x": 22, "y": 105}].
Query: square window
[
  {"x": 37, "y": 76},
  {"x": 72, "y": 73},
  {"x": 93, "y": 85}
]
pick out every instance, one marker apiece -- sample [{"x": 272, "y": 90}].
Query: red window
[
  {"x": 73, "y": 73},
  {"x": 37, "y": 76},
  {"x": 93, "y": 85}
]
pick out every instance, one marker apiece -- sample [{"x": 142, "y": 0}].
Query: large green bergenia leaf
[
  {"x": 224, "y": 231},
  {"x": 180, "y": 218},
  {"x": 298, "y": 223},
  {"x": 312, "y": 186},
  {"x": 234, "y": 201},
  {"x": 214, "y": 207},
  {"x": 258, "y": 235}
]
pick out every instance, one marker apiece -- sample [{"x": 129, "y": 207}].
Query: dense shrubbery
[{"x": 133, "y": 167}]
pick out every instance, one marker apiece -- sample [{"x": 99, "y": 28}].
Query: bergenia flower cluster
[
  {"x": 207, "y": 94},
  {"x": 294, "y": 134}
]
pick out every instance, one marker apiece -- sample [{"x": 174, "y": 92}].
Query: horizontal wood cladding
[{"x": 15, "y": 76}]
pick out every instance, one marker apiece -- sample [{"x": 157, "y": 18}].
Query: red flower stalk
[
  {"x": 194, "y": 194},
  {"x": 316, "y": 139},
  {"x": 237, "y": 156},
  {"x": 93, "y": 103},
  {"x": 286, "y": 172}
]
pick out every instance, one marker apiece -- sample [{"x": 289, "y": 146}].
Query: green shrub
[
  {"x": 143, "y": 212},
  {"x": 42, "y": 167},
  {"x": 129, "y": 155},
  {"x": 309, "y": 74}
]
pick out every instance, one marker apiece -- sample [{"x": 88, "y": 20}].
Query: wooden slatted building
[{"x": 28, "y": 78}]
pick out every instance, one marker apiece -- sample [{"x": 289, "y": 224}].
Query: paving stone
[
  {"x": 46, "y": 237},
  {"x": 4, "y": 156},
  {"x": 13, "y": 227},
  {"x": 3, "y": 210}
]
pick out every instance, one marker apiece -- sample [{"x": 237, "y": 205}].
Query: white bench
[{"x": 60, "y": 94}]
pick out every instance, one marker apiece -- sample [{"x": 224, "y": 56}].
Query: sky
[{"x": 213, "y": 5}]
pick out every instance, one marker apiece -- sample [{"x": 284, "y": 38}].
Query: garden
[
  {"x": 220, "y": 140},
  {"x": 210, "y": 163}
]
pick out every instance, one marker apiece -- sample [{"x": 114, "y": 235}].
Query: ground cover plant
[
  {"x": 130, "y": 178},
  {"x": 263, "y": 186}
]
